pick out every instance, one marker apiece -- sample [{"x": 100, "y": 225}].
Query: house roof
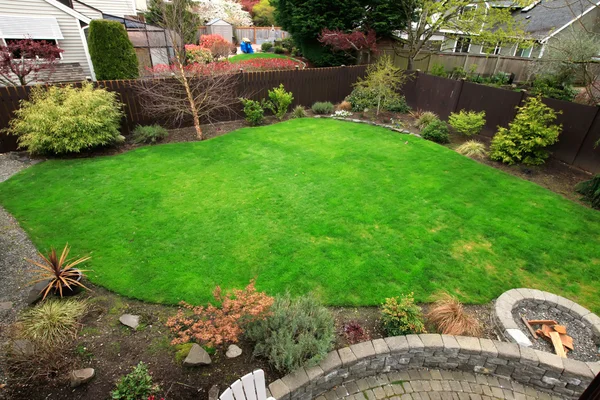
[
  {"x": 547, "y": 17},
  {"x": 214, "y": 21},
  {"x": 69, "y": 11}
]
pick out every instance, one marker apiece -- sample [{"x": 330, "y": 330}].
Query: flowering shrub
[
  {"x": 218, "y": 46},
  {"x": 215, "y": 325},
  {"x": 219, "y": 67},
  {"x": 197, "y": 54},
  {"x": 342, "y": 114}
]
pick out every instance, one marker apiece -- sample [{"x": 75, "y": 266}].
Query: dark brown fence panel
[
  {"x": 498, "y": 104},
  {"x": 588, "y": 156},
  {"x": 576, "y": 120},
  {"x": 409, "y": 89},
  {"x": 437, "y": 94}
]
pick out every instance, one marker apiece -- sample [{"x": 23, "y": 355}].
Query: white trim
[
  {"x": 524, "y": 48},
  {"x": 569, "y": 23},
  {"x": 495, "y": 52},
  {"x": 69, "y": 11},
  {"x": 87, "y": 52}
]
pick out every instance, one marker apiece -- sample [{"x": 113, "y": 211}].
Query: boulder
[
  {"x": 213, "y": 393},
  {"x": 197, "y": 356},
  {"x": 81, "y": 376},
  {"x": 233, "y": 351},
  {"x": 35, "y": 293},
  {"x": 22, "y": 347},
  {"x": 132, "y": 321}
]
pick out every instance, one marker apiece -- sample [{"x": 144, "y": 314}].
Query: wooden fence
[
  {"x": 307, "y": 85},
  {"x": 581, "y": 124}
]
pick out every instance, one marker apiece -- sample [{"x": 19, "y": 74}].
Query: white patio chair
[{"x": 249, "y": 387}]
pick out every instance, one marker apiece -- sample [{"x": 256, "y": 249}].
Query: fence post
[
  {"x": 458, "y": 93},
  {"x": 496, "y": 65}
]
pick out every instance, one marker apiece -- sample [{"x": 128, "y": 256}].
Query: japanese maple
[{"x": 27, "y": 61}]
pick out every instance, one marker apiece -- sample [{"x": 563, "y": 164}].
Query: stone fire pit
[{"x": 582, "y": 325}]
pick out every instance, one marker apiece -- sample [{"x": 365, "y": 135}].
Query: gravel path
[{"x": 14, "y": 247}]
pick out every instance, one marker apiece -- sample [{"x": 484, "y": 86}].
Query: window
[
  {"x": 463, "y": 45},
  {"x": 489, "y": 49},
  {"x": 523, "y": 52},
  {"x": 467, "y": 12},
  {"x": 17, "y": 53}
]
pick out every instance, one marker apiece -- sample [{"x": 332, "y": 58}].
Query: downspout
[{"x": 87, "y": 52}]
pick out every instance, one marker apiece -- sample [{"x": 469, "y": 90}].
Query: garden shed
[{"x": 220, "y": 27}]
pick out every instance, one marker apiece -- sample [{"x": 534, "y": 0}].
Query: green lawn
[
  {"x": 352, "y": 213},
  {"x": 244, "y": 57}
]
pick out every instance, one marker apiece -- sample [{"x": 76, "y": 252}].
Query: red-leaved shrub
[
  {"x": 218, "y": 46},
  {"x": 215, "y": 325},
  {"x": 354, "y": 332}
]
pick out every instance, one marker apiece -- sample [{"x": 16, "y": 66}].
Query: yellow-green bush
[
  {"x": 468, "y": 123},
  {"x": 60, "y": 120},
  {"x": 400, "y": 316},
  {"x": 527, "y": 136}
]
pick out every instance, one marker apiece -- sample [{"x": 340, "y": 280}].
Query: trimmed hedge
[{"x": 111, "y": 51}]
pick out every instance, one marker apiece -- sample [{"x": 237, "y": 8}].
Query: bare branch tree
[{"x": 213, "y": 94}]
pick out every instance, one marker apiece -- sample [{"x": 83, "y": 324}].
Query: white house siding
[
  {"x": 119, "y": 8},
  {"x": 141, "y": 5},
  {"x": 71, "y": 44},
  {"x": 86, "y": 10}
]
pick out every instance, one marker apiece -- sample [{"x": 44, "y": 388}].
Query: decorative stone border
[
  {"x": 509, "y": 300},
  {"x": 540, "y": 370},
  {"x": 360, "y": 121}
]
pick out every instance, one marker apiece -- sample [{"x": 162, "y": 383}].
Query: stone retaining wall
[
  {"x": 516, "y": 297},
  {"x": 540, "y": 370}
]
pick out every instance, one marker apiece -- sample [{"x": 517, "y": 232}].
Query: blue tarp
[{"x": 247, "y": 48}]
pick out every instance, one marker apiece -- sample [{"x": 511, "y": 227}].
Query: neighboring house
[
  {"x": 544, "y": 21},
  {"x": 53, "y": 21},
  {"x": 65, "y": 23}
]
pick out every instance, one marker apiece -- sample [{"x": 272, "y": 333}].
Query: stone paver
[{"x": 433, "y": 385}]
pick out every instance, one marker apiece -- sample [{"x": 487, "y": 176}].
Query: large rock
[
  {"x": 35, "y": 293},
  {"x": 197, "y": 356},
  {"x": 132, "y": 321},
  {"x": 22, "y": 347},
  {"x": 81, "y": 376},
  {"x": 213, "y": 393},
  {"x": 233, "y": 351}
]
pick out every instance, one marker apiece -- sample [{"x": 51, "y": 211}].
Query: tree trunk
[
  {"x": 190, "y": 97},
  {"x": 411, "y": 63}
]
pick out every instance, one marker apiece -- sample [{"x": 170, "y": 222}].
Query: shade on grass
[
  {"x": 244, "y": 57},
  {"x": 352, "y": 213}
]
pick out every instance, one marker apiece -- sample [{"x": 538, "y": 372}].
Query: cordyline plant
[
  {"x": 26, "y": 61},
  {"x": 58, "y": 271},
  {"x": 215, "y": 325}
]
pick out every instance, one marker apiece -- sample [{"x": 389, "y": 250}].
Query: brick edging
[
  {"x": 504, "y": 305},
  {"x": 540, "y": 370}
]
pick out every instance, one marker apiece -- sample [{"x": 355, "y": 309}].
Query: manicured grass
[
  {"x": 352, "y": 213},
  {"x": 244, "y": 57}
]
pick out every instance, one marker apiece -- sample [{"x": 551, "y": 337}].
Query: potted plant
[{"x": 60, "y": 274}]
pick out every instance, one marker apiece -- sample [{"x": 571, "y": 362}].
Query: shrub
[
  {"x": 447, "y": 315},
  {"x": 383, "y": 82},
  {"x": 550, "y": 87},
  {"x": 136, "y": 385},
  {"x": 468, "y": 123},
  {"x": 287, "y": 43},
  {"x": 149, "y": 134},
  {"x": 298, "y": 332},
  {"x": 53, "y": 322},
  {"x": 278, "y": 50},
  {"x": 400, "y": 316},
  {"x": 472, "y": 148},
  {"x": 111, "y": 51},
  {"x": 266, "y": 47},
  {"x": 218, "y": 46},
  {"x": 298, "y": 112},
  {"x": 279, "y": 101},
  {"x": 215, "y": 325},
  {"x": 425, "y": 118},
  {"x": 364, "y": 98},
  {"x": 65, "y": 119},
  {"x": 322, "y": 107},
  {"x": 354, "y": 332},
  {"x": 344, "y": 106},
  {"x": 527, "y": 136},
  {"x": 255, "y": 114},
  {"x": 438, "y": 69},
  {"x": 591, "y": 191},
  {"x": 197, "y": 54},
  {"x": 436, "y": 131}
]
